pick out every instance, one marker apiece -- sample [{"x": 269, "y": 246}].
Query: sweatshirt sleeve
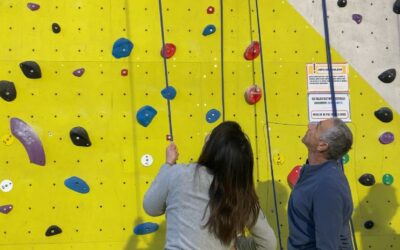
[
  {"x": 328, "y": 216},
  {"x": 262, "y": 236},
  {"x": 154, "y": 202}
]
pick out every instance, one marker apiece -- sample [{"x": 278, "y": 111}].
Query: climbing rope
[
  {"x": 332, "y": 92},
  {"x": 165, "y": 69},
  {"x": 222, "y": 59},
  {"x": 267, "y": 127}
]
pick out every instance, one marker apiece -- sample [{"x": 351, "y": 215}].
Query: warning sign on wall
[
  {"x": 318, "y": 78},
  {"x": 320, "y": 107}
]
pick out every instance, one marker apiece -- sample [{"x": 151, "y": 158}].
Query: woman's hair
[{"x": 233, "y": 201}]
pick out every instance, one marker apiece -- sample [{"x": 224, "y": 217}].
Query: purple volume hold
[
  {"x": 25, "y": 134},
  {"x": 6, "y": 209},
  {"x": 386, "y": 138},
  {"x": 357, "y": 18}
]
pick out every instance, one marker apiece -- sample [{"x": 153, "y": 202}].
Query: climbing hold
[
  {"x": 6, "y": 208},
  {"x": 212, "y": 115},
  {"x": 387, "y": 179},
  {"x": 168, "y": 50},
  {"x": 367, "y": 180},
  {"x": 7, "y": 91},
  {"x": 147, "y": 160},
  {"x": 345, "y": 158},
  {"x": 79, "y": 72},
  {"x": 369, "y": 224},
  {"x": 169, "y": 138},
  {"x": 124, "y": 72},
  {"x": 25, "y": 134},
  {"x": 252, "y": 51},
  {"x": 210, "y": 10},
  {"x": 80, "y": 137},
  {"x": 33, "y": 6},
  {"x": 208, "y": 30},
  {"x": 384, "y": 114},
  {"x": 77, "y": 184},
  {"x": 145, "y": 115},
  {"x": 386, "y": 138},
  {"x": 145, "y": 228},
  {"x": 396, "y": 7},
  {"x": 388, "y": 76},
  {"x": 31, "y": 69},
  {"x": 122, "y": 48},
  {"x": 56, "y": 28},
  {"x": 53, "y": 230},
  {"x": 8, "y": 139},
  {"x": 357, "y": 18},
  {"x": 294, "y": 176},
  {"x": 6, "y": 186},
  {"x": 253, "y": 94},
  {"x": 168, "y": 93},
  {"x": 342, "y": 3}
]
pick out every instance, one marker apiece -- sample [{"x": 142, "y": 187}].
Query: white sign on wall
[
  {"x": 320, "y": 107},
  {"x": 318, "y": 78}
]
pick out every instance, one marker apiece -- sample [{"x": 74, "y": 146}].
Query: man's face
[{"x": 312, "y": 138}]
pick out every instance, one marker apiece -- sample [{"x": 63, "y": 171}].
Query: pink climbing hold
[
  {"x": 79, "y": 72},
  {"x": 168, "y": 50},
  {"x": 253, "y": 94},
  {"x": 124, "y": 72},
  {"x": 210, "y": 10},
  {"x": 252, "y": 51},
  {"x": 33, "y": 6},
  {"x": 357, "y": 18}
]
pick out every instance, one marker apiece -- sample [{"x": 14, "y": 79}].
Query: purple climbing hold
[
  {"x": 79, "y": 72},
  {"x": 386, "y": 138},
  {"x": 342, "y": 3},
  {"x": 33, "y": 6},
  {"x": 6, "y": 209},
  {"x": 357, "y": 18},
  {"x": 30, "y": 140}
]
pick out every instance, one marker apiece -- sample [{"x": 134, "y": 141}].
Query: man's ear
[{"x": 322, "y": 146}]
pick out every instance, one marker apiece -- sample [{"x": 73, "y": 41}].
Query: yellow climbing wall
[{"x": 105, "y": 103}]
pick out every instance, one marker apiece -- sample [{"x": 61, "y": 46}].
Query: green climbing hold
[
  {"x": 345, "y": 158},
  {"x": 387, "y": 179}
]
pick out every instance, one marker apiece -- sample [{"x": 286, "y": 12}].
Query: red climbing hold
[
  {"x": 294, "y": 175},
  {"x": 124, "y": 72},
  {"x": 253, "y": 94},
  {"x": 168, "y": 50},
  {"x": 210, "y": 10},
  {"x": 252, "y": 51}
]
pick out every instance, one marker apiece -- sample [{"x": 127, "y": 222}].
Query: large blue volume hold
[
  {"x": 77, "y": 184},
  {"x": 145, "y": 228},
  {"x": 122, "y": 48}
]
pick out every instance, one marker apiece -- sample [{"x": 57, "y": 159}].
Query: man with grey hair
[{"x": 320, "y": 205}]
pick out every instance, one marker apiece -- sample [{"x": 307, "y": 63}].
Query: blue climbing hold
[
  {"x": 77, "y": 184},
  {"x": 212, "y": 115},
  {"x": 168, "y": 93},
  {"x": 145, "y": 228},
  {"x": 122, "y": 48},
  {"x": 145, "y": 115},
  {"x": 210, "y": 29}
]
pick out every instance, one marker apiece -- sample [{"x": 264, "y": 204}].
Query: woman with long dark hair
[{"x": 209, "y": 203}]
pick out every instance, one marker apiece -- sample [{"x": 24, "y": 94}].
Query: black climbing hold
[
  {"x": 7, "y": 91},
  {"x": 53, "y": 230},
  {"x": 396, "y": 7},
  {"x": 56, "y": 28},
  {"x": 80, "y": 137},
  {"x": 367, "y": 179},
  {"x": 31, "y": 69},
  {"x": 388, "y": 76},
  {"x": 384, "y": 114},
  {"x": 369, "y": 224},
  {"x": 342, "y": 3}
]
